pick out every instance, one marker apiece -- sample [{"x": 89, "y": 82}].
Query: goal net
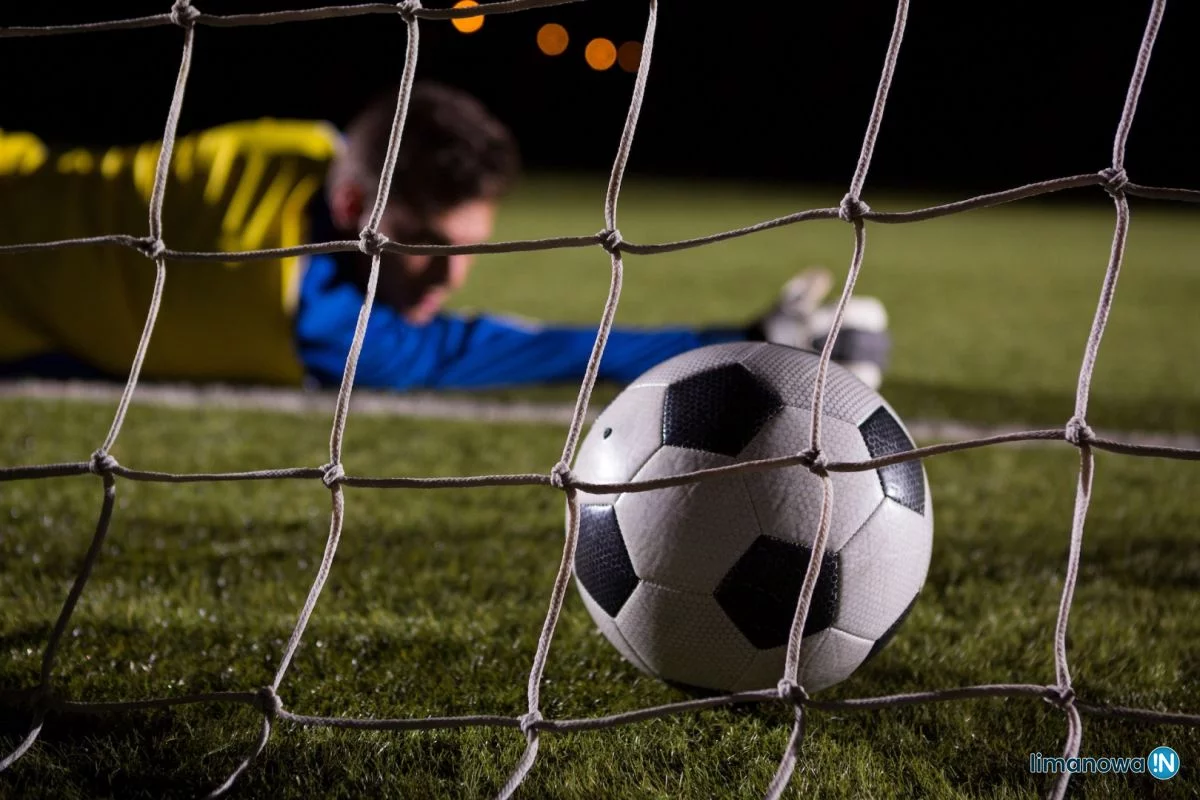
[{"x": 532, "y": 724}]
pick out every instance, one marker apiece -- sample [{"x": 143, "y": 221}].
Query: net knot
[
  {"x": 152, "y": 247},
  {"x": 1115, "y": 180},
  {"x": 1061, "y": 696},
  {"x": 334, "y": 474},
  {"x": 372, "y": 242},
  {"x": 561, "y": 476},
  {"x": 408, "y": 9},
  {"x": 816, "y": 461},
  {"x": 102, "y": 463},
  {"x": 530, "y": 721},
  {"x": 792, "y": 692},
  {"x": 183, "y": 14},
  {"x": 852, "y": 208},
  {"x": 1079, "y": 432},
  {"x": 268, "y": 702},
  {"x": 610, "y": 240}
]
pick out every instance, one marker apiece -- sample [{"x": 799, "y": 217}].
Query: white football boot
[{"x": 800, "y": 320}]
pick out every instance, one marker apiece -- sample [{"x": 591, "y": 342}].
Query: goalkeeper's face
[{"x": 418, "y": 286}]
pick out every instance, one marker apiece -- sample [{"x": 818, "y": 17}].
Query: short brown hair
[{"x": 452, "y": 149}]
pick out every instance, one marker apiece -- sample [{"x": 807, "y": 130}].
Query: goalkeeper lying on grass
[{"x": 78, "y": 312}]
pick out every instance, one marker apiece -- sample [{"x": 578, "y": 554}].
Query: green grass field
[
  {"x": 989, "y": 310},
  {"x": 436, "y": 598}
]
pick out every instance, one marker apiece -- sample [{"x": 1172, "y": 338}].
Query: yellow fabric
[{"x": 241, "y": 186}]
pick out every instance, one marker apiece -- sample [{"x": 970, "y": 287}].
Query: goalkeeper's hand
[{"x": 799, "y": 319}]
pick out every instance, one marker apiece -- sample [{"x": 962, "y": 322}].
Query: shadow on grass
[
  {"x": 140, "y": 754},
  {"x": 186, "y": 752}
]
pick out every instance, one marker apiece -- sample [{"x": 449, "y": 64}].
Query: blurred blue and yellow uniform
[{"x": 250, "y": 185}]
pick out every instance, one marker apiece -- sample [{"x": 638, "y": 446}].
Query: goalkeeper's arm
[{"x": 461, "y": 352}]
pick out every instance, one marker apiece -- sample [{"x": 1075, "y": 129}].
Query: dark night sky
[{"x": 986, "y": 95}]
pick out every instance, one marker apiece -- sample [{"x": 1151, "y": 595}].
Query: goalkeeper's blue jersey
[
  {"x": 461, "y": 352},
  {"x": 457, "y": 351}
]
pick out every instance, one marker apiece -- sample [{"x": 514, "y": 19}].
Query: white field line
[{"x": 434, "y": 406}]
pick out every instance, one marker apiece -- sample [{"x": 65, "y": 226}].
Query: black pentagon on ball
[
  {"x": 903, "y": 482},
  {"x": 760, "y": 592},
  {"x": 719, "y": 410},
  {"x": 601, "y": 559}
]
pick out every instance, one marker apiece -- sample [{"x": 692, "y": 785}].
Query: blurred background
[
  {"x": 754, "y": 111},
  {"x": 986, "y": 95}
]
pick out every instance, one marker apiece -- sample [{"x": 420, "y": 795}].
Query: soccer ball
[{"x": 698, "y": 584}]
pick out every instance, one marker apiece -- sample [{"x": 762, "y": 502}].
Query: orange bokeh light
[
  {"x": 600, "y": 54},
  {"x": 629, "y": 56},
  {"x": 552, "y": 39},
  {"x": 467, "y": 24}
]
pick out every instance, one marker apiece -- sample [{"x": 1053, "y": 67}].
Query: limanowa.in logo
[{"x": 1162, "y": 763}]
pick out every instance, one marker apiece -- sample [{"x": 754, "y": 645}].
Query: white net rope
[{"x": 532, "y": 724}]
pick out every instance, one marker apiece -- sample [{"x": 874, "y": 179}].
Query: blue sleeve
[{"x": 460, "y": 352}]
